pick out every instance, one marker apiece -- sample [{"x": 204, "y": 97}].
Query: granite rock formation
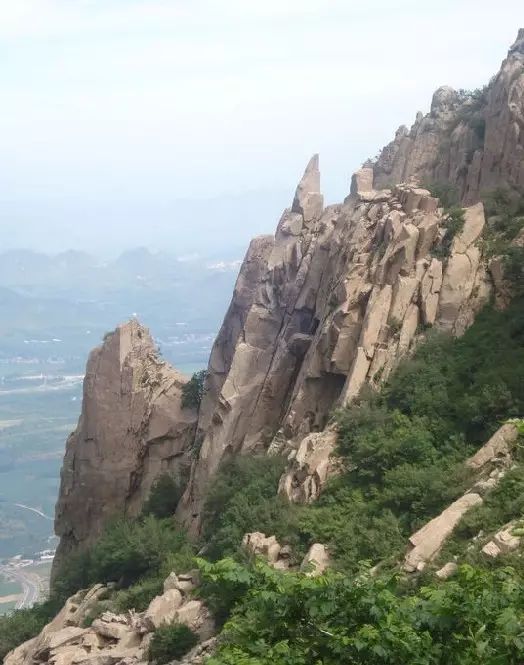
[
  {"x": 327, "y": 306},
  {"x": 116, "y": 639},
  {"x": 473, "y": 141},
  {"x": 132, "y": 428}
]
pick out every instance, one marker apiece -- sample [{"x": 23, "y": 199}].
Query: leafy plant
[
  {"x": 127, "y": 551},
  {"x": 289, "y": 618},
  {"x": 454, "y": 223},
  {"x": 243, "y": 497},
  {"x": 138, "y": 596},
  {"x": 171, "y": 641},
  {"x": 164, "y": 496},
  {"x": 193, "y": 390}
]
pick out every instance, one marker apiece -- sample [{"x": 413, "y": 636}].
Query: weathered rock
[
  {"x": 497, "y": 449},
  {"x": 309, "y": 467},
  {"x": 427, "y": 542},
  {"x": 474, "y": 144},
  {"x": 190, "y": 612},
  {"x": 503, "y": 541},
  {"x": 258, "y": 544},
  {"x": 171, "y": 582},
  {"x": 447, "y": 570},
  {"x": 338, "y": 303},
  {"x": 163, "y": 609},
  {"x": 362, "y": 181},
  {"x": 308, "y": 200},
  {"x": 113, "y": 630},
  {"x": 132, "y": 428},
  {"x": 316, "y": 560}
]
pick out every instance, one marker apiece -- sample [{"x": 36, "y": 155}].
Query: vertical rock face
[
  {"x": 325, "y": 307},
  {"x": 332, "y": 303},
  {"x": 474, "y": 142},
  {"x": 132, "y": 428}
]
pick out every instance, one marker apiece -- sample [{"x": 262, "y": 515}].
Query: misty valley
[{"x": 53, "y": 311}]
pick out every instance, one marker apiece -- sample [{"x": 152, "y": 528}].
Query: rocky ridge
[
  {"x": 322, "y": 309},
  {"x": 473, "y": 141},
  {"x": 327, "y": 306}
]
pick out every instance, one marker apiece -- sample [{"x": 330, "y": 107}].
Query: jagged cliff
[
  {"x": 132, "y": 427},
  {"x": 473, "y": 141},
  {"x": 335, "y": 299},
  {"x": 324, "y": 307}
]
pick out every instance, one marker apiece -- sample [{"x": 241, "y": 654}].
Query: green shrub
[
  {"x": 454, "y": 223},
  {"x": 164, "y": 496},
  {"x": 243, "y": 497},
  {"x": 127, "y": 551},
  {"x": 171, "y": 641},
  {"x": 405, "y": 448},
  {"x": 21, "y": 625},
  {"x": 475, "y": 617},
  {"x": 138, "y": 596},
  {"x": 94, "y": 612},
  {"x": 193, "y": 390},
  {"x": 446, "y": 192},
  {"x": 514, "y": 268},
  {"x": 505, "y": 218}
]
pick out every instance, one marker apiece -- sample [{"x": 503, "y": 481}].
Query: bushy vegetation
[
  {"x": 193, "y": 390},
  {"x": 505, "y": 220},
  {"x": 164, "y": 496},
  {"x": 471, "y": 113},
  {"x": 403, "y": 453},
  {"x": 476, "y": 617},
  {"x": 138, "y": 596},
  {"x": 447, "y": 193},
  {"x": 405, "y": 447},
  {"x": 128, "y": 551},
  {"x": 22, "y": 625},
  {"x": 453, "y": 215},
  {"x": 171, "y": 641},
  {"x": 243, "y": 497}
]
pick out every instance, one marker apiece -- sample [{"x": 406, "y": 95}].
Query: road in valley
[{"x": 30, "y": 582}]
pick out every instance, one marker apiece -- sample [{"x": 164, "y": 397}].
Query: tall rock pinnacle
[
  {"x": 308, "y": 200},
  {"x": 132, "y": 428}
]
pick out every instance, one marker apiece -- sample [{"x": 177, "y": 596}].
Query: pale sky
[{"x": 112, "y": 111}]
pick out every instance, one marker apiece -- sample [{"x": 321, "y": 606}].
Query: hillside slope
[{"x": 375, "y": 350}]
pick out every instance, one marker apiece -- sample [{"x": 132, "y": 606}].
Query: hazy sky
[{"x": 113, "y": 110}]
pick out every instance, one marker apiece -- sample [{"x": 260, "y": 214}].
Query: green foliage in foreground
[
  {"x": 476, "y": 617},
  {"x": 193, "y": 390},
  {"x": 126, "y": 552},
  {"x": 242, "y": 498},
  {"x": 171, "y": 641},
  {"x": 22, "y": 625}
]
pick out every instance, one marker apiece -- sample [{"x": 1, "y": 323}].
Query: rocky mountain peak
[
  {"x": 326, "y": 306},
  {"x": 473, "y": 141},
  {"x": 308, "y": 200},
  {"x": 132, "y": 428}
]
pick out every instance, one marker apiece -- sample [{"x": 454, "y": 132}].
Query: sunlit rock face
[
  {"x": 475, "y": 143},
  {"x": 328, "y": 305},
  {"x": 132, "y": 428}
]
